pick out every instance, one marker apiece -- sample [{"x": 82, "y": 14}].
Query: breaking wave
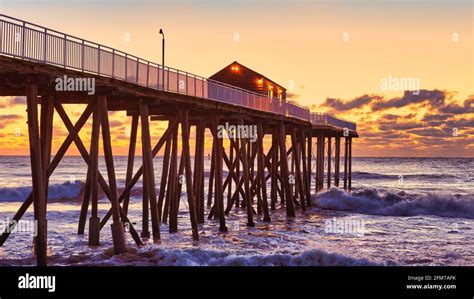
[
  {"x": 200, "y": 257},
  {"x": 377, "y": 202},
  {"x": 66, "y": 190},
  {"x": 380, "y": 176}
]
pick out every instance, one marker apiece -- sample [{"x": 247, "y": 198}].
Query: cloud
[
  {"x": 292, "y": 96},
  {"x": 8, "y": 119},
  {"x": 436, "y": 98},
  {"x": 340, "y": 105},
  {"x": 115, "y": 123},
  {"x": 453, "y": 108},
  {"x": 427, "y": 124},
  {"x": 13, "y": 101}
]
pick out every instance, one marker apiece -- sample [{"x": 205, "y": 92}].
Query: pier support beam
[
  {"x": 149, "y": 173},
  {"x": 298, "y": 175},
  {"x": 346, "y": 153},
  {"x": 188, "y": 171},
  {"x": 285, "y": 173},
  {"x": 261, "y": 172},
  {"x": 172, "y": 187},
  {"x": 329, "y": 161},
  {"x": 199, "y": 171},
  {"x": 118, "y": 234},
  {"x": 350, "y": 164},
  {"x": 245, "y": 169},
  {"x": 94, "y": 220},
  {"x": 320, "y": 163},
  {"x": 337, "y": 157},
  {"x": 310, "y": 161},
  {"x": 219, "y": 192},
  {"x": 274, "y": 169},
  {"x": 164, "y": 176},
  {"x": 37, "y": 175},
  {"x": 305, "y": 161},
  {"x": 131, "y": 160}
]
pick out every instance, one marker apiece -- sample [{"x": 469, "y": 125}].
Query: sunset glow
[{"x": 332, "y": 57}]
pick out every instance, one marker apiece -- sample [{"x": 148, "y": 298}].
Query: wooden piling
[
  {"x": 261, "y": 172},
  {"x": 37, "y": 175},
  {"x": 274, "y": 169},
  {"x": 329, "y": 162},
  {"x": 131, "y": 160},
  {"x": 145, "y": 206},
  {"x": 298, "y": 175},
  {"x": 309, "y": 164},
  {"x": 219, "y": 194},
  {"x": 171, "y": 194},
  {"x": 346, "y": 152},
  {"x": 350, "y": 165},
  {"x": 304, "y": 161},
  {"x": 290, "y": 209},
  {"x": 118, "y": 234},
  {"x": 211, "y": 174},
  {"x": 189, "y": 175},
  {"x": 246, "y": 178},
  {"x": 94, "y": 220},
  {"x": 337, "y": 160},
  {"x": 164, "y": 176},
  {"x": 201, "y": 130},
  {"x": 149, "y": 171}
]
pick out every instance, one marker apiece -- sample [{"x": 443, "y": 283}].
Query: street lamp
[{"x": 163, "y": 48}]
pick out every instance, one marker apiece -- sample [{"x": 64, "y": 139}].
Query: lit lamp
[{"x": 162, "y": 48}]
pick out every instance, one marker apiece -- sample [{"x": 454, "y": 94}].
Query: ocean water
[{"x": 402, "y": 211}]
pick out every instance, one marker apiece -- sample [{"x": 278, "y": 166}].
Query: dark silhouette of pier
[{"x": 33, "y": 57}]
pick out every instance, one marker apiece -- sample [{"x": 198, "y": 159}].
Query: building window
[{"x": 270, "y": 93}]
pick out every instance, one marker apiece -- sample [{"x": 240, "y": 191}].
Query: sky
[{"x": 349, "y": 58}]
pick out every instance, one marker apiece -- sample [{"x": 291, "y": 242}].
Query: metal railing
[
  {"x": 326, "y": 119},
  {"x": 28, "y": 41}
]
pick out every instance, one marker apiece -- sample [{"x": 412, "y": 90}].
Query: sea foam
[{"x": 377, "y": 202}]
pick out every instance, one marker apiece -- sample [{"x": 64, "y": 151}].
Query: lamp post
[
  {"x": 163, "y": 57},
  {"x": 162, "y": 48}
]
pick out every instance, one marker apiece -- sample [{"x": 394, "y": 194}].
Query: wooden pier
[{"x": 191, "y": 107}]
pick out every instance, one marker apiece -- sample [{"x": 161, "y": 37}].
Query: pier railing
[
  {"x": 326, "y": 119},
  {"x": 28, "y": 41}
]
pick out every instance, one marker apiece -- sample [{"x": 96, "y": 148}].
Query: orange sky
[{"x": 335, "y": 52}]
